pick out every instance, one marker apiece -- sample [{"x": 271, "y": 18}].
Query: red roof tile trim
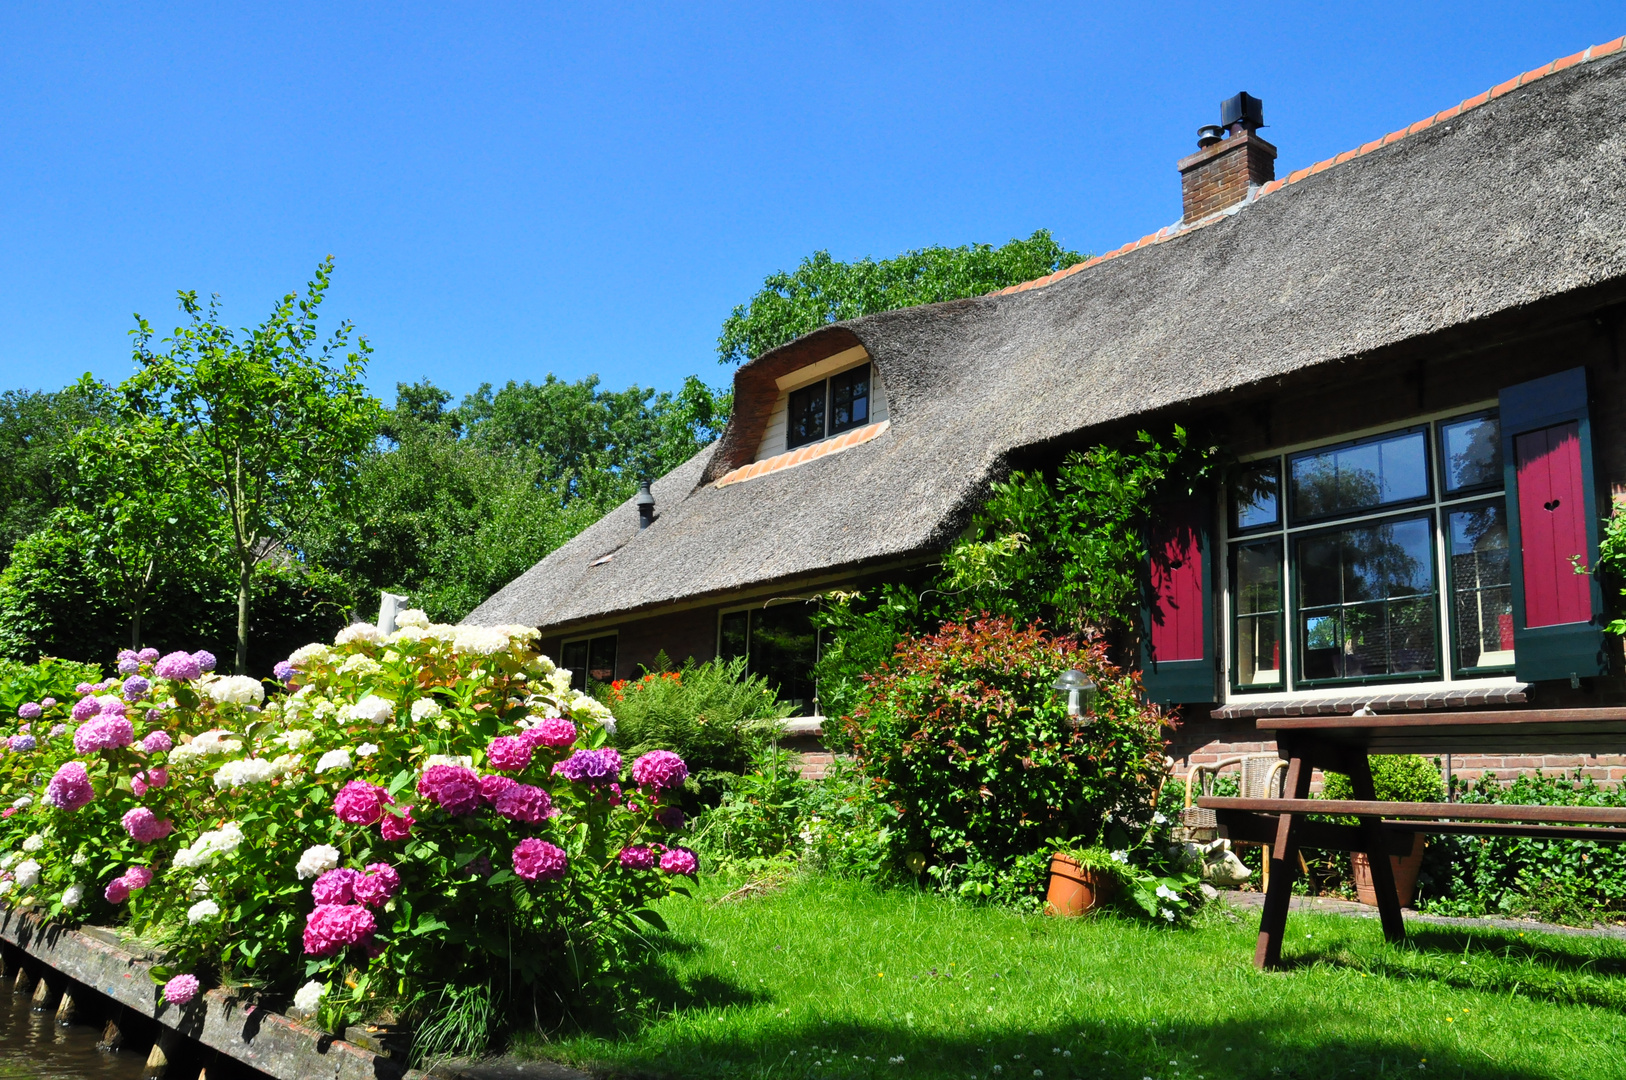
[
  {"x": 804, "y": 455},
  {"x": 1596, "y": 52}
]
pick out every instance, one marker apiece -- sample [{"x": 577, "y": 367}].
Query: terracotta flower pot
[
  {"x": 1075, "y": 889},
  {"x": 1405, "y": 870}
]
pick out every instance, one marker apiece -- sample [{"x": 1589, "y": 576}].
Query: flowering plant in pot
[
  {"x": 1395, "y": 778},
  {"x": 401, "y": 815}
]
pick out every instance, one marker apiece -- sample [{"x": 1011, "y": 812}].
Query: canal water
[{"x": 33, "y": 1047}]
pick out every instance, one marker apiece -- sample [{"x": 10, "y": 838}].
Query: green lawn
[{"x": 827, "y": 979}]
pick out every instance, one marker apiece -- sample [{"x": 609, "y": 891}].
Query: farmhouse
[{"x": 1414, "y": 349}]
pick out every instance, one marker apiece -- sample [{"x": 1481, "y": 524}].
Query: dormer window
[{"x": 828, "y": 407}]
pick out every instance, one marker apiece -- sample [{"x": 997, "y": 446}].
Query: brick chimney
[{"x": 1231, "y": 159}]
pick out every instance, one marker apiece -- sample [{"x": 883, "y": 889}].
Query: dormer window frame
[{"x": 821, "y": 403}]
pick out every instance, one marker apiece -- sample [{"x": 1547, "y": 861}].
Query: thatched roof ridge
[{"x": 1514, "y": 202}]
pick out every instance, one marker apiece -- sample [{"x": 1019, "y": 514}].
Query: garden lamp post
[{"x": 1080, "y": 694}]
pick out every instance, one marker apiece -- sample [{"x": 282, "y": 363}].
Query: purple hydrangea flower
[
  {"x": 283, "y": 671},
  {"x": 22, "y": 743},
  {"x": 591, "y": 766},
  {"x": 58, "y": 729},
  {"x": 130, "y": 666},
  {"x": 147, "y": 656},
  {"x": 48, "y": 702},
  {"x": 70, "y": 788},
  {"x": 135, "y": 688},
  {"x": 30, "y": 710},
  {"x": 205, "y": 659},
  {"x": 126, "y": 654},
  {"x": 670, "y": 816},
  {"x": 181, "y": 666},
  {"x": 84, "y": 688}
]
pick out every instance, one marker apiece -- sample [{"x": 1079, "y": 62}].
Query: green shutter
[{"x": 1178, "y": 653}]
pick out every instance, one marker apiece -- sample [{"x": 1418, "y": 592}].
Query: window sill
[
  {"x": 804, "y": 454},
  {"x": 1347, "y": 702}
]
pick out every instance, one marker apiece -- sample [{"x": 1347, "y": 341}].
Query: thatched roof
[{"x": 1515, "y": 201}]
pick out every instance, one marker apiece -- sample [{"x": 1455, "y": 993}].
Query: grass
[{"x": 829, "y": 980}]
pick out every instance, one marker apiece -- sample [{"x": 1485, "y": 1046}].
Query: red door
[
  {"x": 1552, "y": 526},
  {"x": 1177, "y": 586}
]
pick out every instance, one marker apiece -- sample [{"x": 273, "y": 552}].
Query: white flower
[
  {"x": 559, "y": 681},
  {"x": 34, "y": 843},
  {"x": 366, "y": 749},
  {"x": 72, "y": 895},
  {"x": 1167, "y": 914},
  {"x": 5, "y": 886},
  {"x": 203, "y": 909},
  {"x": 24, "y": 802},
  {"x": 79, "y": 858},
  {"x": 412, "y": 617},
  {"x": 359, "y": 632},
  {"x": 424, "y": 708},
  {"x": 360, "y": 664},
  {"x": 214, "y": 743},
  {"x": 28, "y": 874},
  {"x": 221, "y": 841},
  {"x": 1159, "y": 819},
  {"x": 234, "y": 690},
  {"x": 236, "y": 774},
  {"x": 333, "y": 759},
  {"x": 284, "y": 765},
  {"x": 317, "y": 859},
  {"x": 890, "y": 1061},
  {"x": 296, "y": 738},
  {"x": 312, "y": 655},
  {"x": 1120, "y": 857},
  {"x": 372, "y": 708},
  {"x": 480, "y": 640},
  {"x": 309, "y": 996},
  {"x": 443, "y": 724},
  {"x": 542, "y": 665},
  {"x": 200, "y": 887},
  {"x": 446, "y": 759},
  {"x": 1166, "y": 893},
  {"x": 9, "y": 861},
  {"x": 323, "y": 709},
  {"x": 407, "y": 633}
]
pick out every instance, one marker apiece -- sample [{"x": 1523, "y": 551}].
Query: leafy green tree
[
  {"x": 268, "y": 424},
  {"x": 822, "y": 290},
  {"x": 36, "y": 428}
]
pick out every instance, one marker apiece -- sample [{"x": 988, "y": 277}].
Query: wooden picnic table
[{"x": 1343, "y": 743}]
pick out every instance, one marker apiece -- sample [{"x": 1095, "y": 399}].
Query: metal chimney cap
[
  {"x": 644, "y": 496},
  {"x": 1244, "y": 109}
]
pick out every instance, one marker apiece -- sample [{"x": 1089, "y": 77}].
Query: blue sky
[{"x": 511, "y": 190}]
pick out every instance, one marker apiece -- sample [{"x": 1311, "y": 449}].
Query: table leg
[
  {"x": 1283, "y": 867},
  {"x": 1383, "y": 874}
]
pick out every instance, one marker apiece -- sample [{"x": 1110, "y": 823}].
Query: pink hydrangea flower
[
  {"x": 85, "y": 708},
  {"x": 660, "y": 769},
  {"x": 553, "y": 731},
  {"x": 147, "y": 656},
  {"x": 335, "y": 886},
  {"x": 137, "y": 877},
  {"x": 157, "y": 742},
  {"x": 679, "y": 861},
  {"x": 396, "y": 826},
  {"x": 453, "y": 788},
  {"x": 144, "y": 827},
  {"x": 30, "y": 710},
  {"x": 58, "y": 729},
  {"x": 539, "y": 860},
  {"x": 105, "y": 732},
  {"x": 377, "y": 885},
  {"x": 84, "y": 688},
  {"x": 70, "y": 788},
  {"x": 182, "y": 666},
  {"x": 508, "y": 753},
  {"x": 117, "y": 892},
  {"x": 112, "y": 706},
  {"x": 361, "y": 803},
  {"x": 48, "y": 702},
  {"x": 181, "y": 989},
  {"x": 492, "y": 786},
  {"x": 524, "y": 803},
  {"x": 142, "y": 782},
  {"x": 332, "y": 927},
  {"x": 637, "y": 857}
]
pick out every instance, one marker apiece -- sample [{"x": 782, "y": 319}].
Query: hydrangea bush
[{"x": 435, "y": 808}]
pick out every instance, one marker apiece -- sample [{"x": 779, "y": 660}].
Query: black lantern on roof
[{"x": 1080, "y": 694}]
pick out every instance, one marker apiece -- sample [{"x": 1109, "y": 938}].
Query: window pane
[
  {"x": 1472, "y": 453},
  {"x": 805, "y": 423},
  {"x": 731, "y": 637},
  {"x": 1365, "y": 601},
  {"x": 1254, "y": 496},
  {"x": 1481, "y": 587},
  {"x": 574, "y": 657},
  {"x": 1361, "y": 476},
  {"x": 849, "y": 399},
  {"x": 601, "y": 659},
  {"x": 784, "y": 646},
  {"x": 1258, "y": 593}
]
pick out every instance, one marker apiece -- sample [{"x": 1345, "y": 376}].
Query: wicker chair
[{"x": 1264, "y": 776}]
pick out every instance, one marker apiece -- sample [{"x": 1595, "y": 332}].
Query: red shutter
[
  {"x": 1177, "y": 616},
  {"x": 1552, "y": 516}
]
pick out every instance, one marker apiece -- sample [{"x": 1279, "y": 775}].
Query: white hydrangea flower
[
  {"x": 200, "y": 887},
  {"x": 24, "y": 802},
  {"x": 542, "y": 665},
  {"x": 9, "y": 861},
  {"x": 203, "y": 909},
  {"x": 372, "y": 708},
  {"x": 412, "y": 617},
  {"x": 366, "y": 749},
  {"x": 424, "y": 708},
  {"x": 359, "y": 632},
  {"x": 480, "y": 640},
  {"x": 323, "y": 709},
  {"x": 360, "y": 664},
  {"x": 312, "y": 655},
  {"x": 34, "y": 843},
  {"x": 408, "y": 633},
  {"x": 333, "y": 759},
  {"x": 284, "y": 764},
  {"x": 79, "y": 858},
  {"x": 5, "y": 886},
  {"x": 446, "y": 759},
  {"x": 520, "y": 633},
  {"x": 234, "y": 690},
  {"x": 72, "y": 896},
  {"x": 221, "y": 841},
  {"x": 214, "y": 743},
  {"x": 309, "y": 996},
  {"x": 440, "y": 631},
  {"x": 28, "y": 874},
  {"x": 236, "y": 774},
  {"x": 296, "y": 738},
  {"x": 317, "y": 859},
  {"x": 559, "y": 681}
]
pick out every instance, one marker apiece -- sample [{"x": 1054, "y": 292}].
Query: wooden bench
[{"x": 1343, "y": 744}]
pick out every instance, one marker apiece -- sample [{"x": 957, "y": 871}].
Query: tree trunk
[
  {"x": 245, "y": 572},
  {"x": 135, "y": 628}
]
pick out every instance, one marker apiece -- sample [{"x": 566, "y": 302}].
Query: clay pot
[
  {"x": 1405, "y": 870},
  {"x": 1075, "y": 890}
]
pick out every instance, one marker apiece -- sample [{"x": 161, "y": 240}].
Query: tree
[
  {"x": 36, "y": 428},
  {"x": 822, "y": 290},
  {"x": 273, "y": 429}
]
